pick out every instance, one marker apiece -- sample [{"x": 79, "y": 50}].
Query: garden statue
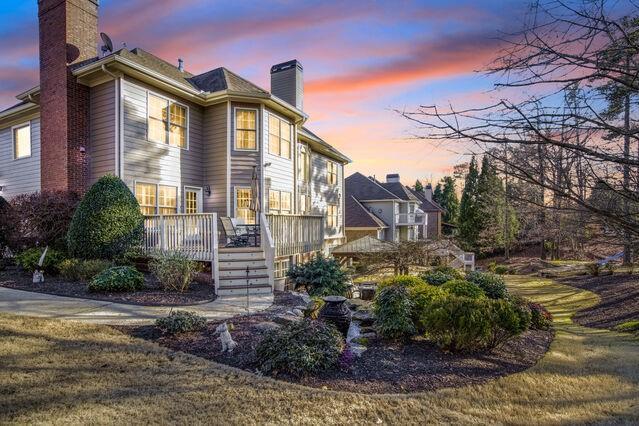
[
  {"x": 38, "y": 274},
  {"x": 228, "y": 344}
]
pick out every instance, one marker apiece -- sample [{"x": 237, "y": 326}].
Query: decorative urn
[{"x": 336, "y": 312}]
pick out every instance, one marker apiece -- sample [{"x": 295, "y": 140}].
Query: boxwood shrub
[
  {"x": 28, "y": 260},
  {"x": 181, "y": 322},
  {"x": 421, "y": 296},
  {"x": 300, "y": 348},
  {"x": 107, "y": 221},
  {"x": 117, "y": 279},
  {"x": 492, "y": 284},
  {"x": 463, "y": 288},
  {"x": 441, "y": 275}
]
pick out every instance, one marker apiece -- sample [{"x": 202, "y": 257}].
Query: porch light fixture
[{"x": 207, "y": 190}]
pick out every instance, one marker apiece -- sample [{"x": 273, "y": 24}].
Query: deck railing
[
  {"x": 294, "y": 234},
  {"x": 194, "y": 235}
]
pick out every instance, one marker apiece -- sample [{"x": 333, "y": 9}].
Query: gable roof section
[
  {"x": 366, "y": 189},
  {"x": 426, "y": 205},
  {"x": 399, "y": 190},
  {"x": 357, "y": 216},
  {"x": 366, "y": 244},
  {"x": 321, "y": 145}
]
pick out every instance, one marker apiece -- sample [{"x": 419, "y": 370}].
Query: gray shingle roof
[
  {"x": 366, "y": 244},
  {"x": 399, "y": 190},
  {"x": 363, "y": 188},
  {"x": 357, "y": 216},
  {"x": 426, "y": 205},
  {"x": 323, "y": 144}
]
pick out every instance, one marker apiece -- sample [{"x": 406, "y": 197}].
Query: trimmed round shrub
[
  {"x": 540, "y": 319},
  {"x": 403, "y": 280},
  {"x": 181, "y": 322},
  {"x": 441, "y": 275},
  {"x": 508, "y": 319},
  {"x": 463, "y": 288},
  {"x": 82, "y": 270},
  {"x": 393, "y": 308},
  {"x": 320, "y": 276},
  {"x": 300, "y": 348},
  {"x": 457, "y": 323},
  {"x": 28, "y": 260},
  {"x": 116, "y": 280},
  {"x": 421, "y": 296},
  {"x": 107, "y": 222},
  {"x": 493, "y": 285}
]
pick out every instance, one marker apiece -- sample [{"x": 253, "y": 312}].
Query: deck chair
[{"x": 236, "y": 239}]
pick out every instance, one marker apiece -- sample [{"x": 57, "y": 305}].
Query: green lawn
[{"x": 66, "y": 373}]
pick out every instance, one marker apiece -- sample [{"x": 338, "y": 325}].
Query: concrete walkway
[{"x": 29, "y": 303}]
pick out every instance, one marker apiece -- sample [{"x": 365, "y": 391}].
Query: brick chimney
[{"x": 68, "y": 35}]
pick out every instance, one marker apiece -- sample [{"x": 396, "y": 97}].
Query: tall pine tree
[
  {"x": 418, "y": 186},
  {"x": 469, "y": 216},
  {"x": 449, "y": 200},
  {"x": 438, "y": 194}
]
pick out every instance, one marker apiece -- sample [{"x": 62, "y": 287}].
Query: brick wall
[{"x": 68, "y": 35}]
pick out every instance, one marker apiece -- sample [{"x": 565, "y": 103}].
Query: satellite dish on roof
[{"x": 108, "y": 44}]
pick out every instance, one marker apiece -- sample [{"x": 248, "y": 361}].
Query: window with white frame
[
  {"x": 281, "y": 267},
  {"x": 22, "y": 141},
  {"x": 279, "y": 136},
  {"x": 331, "y": 173},
  {"x": 304, "y": 164},
  {"x": 243, "y": 205},
  {"x": 156, "y": 199},
  {"x": 168, "y": 121},
  {"x": 331, "y": 216},
  {"x": 305, "y": 203},
  {"x": 279, "y": 202},
  {"x": 245, "y": 129}
]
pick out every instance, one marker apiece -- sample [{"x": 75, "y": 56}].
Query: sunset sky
[{"x": 361, "y": 60}]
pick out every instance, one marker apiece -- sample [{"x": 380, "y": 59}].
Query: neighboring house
[
  {"x": 434, "y": 211},
  {"x": 384, "y": 210},
  {"x": 185, "y": 144}
]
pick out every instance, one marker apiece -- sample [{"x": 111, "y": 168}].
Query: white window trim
[
  {"x": 200, "y": 198},
  {"x": 336, "y": 173},
  {"x": 157, "y": 193},
  {"x": 235, "y": 189},
  {"x": 13, "y": 142},
  {"x": 188, "y": 121},
  {"x": 234, "y": 129},
  {"x": 279, "y": 211},
  {"x": 291, "y": 148}
]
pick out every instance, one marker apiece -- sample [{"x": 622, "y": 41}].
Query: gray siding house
[{"x": 186, "y": 144}]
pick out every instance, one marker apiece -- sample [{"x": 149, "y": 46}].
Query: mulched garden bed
[
  {"x": 619, "y": 299},
  {"x": 151, "y": 295},
  {"x": 382, "y": 368}
]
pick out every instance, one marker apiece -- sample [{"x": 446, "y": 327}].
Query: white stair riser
[
  {"x": 241, "y": 273},
  {"x": 241, "y": 292},
  {"x": 242, "y": 281},
  {"x": 241, "y": 255},
  {"x": 242, "y": 264}
]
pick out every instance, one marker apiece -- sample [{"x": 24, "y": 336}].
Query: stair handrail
[{"x": 268, "y": 245}]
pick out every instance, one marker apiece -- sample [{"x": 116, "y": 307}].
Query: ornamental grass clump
[
  {"x": 117, "y": 279},
  {"x": 181, "y": 322},
  {"x": 174, "y": 270},
  {"x": 300, "y": 348},
  {"x": 82, "y": 270},
  {"x": 29, "y": 260}
]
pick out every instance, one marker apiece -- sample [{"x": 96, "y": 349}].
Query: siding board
[
  {"x": 23, "y": 175},
  {"x": 102, "y": 131}
]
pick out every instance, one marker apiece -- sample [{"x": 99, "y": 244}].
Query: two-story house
[
  {"x": 185, "y": 144},
  {"x": 385, "y": 210}
]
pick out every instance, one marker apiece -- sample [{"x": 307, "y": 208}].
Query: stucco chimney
[
  {"x": 68, "y": 35},
  {"x": 392, "y": 178},
  {"x": 428, "y": 192},
  {"x": 287, "y": 82}
]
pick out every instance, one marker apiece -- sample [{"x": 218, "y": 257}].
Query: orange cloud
[{"x": 446, "y": 57}]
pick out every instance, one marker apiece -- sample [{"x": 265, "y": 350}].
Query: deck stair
[{"x": 235, "y": 264}]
